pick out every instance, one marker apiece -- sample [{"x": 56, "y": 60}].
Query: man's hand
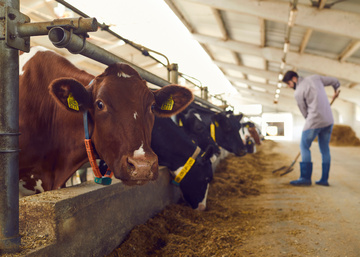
[{"x": 336, "y": 94}]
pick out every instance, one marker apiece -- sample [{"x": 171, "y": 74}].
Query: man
[{"x": 314, "y": 105}]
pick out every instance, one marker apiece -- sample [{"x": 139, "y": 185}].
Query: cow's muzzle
[
  {"x": 142, "y": 169},
  {"x": 138, "y": 170}
]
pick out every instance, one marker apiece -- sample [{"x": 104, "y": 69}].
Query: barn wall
[
  {"x": 356, "y": 126},
  {"x": 299, "y": 123},
  {"x": 348, "y": 114}
]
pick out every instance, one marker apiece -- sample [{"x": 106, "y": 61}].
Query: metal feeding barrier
[{"x": 15, "y": 32}]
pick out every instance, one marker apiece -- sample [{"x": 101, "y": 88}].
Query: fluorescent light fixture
[
  {"x": 279, "y": 85},
  {"x": 282, "y": 65},
  {"x": 277, "y": 91},
  {"x": 280, "y": 76},
  {"x": 276, "y": 96},
  {"x": 292, "y": 17},
  {"x": 286, "y": 47}
]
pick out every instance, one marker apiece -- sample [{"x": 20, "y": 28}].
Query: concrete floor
[{"x": 315, "y": 220}]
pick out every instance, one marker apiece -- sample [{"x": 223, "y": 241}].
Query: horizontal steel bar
[
  {"x": 10, "y": 134},
  {"x": 9, "y": 151},
  {"x": 80, "y": 26}
]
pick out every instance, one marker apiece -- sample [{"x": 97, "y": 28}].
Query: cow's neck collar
[
  {"x": 187, "y": 166},
  {"x": 99, "y": 178}
]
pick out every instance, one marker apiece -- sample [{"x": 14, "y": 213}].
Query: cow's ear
[
  {"x": 171, "y": 100},
  {"x": 70, "y": 94},
  {"x": 239, "y": 117},
  {"x": 216, "y": 117}
]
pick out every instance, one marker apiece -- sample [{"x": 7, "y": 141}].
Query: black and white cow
[
  {"x": 174, "y": 149},
  {"x": 225, "y": 125},
  {"x": 196, "y": 129},
  {"x": 251, "y": 136}
]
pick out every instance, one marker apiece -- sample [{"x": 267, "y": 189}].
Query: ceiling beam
[
  {"x": 322, "y": 4},
  {"x": 220, "y": 22},
  {"x": 256, "y": 97},
  {"x": 326, "y": 20},
  {"x": 350, "y": 95},
  {"x": 262, "y": 24},
  {"x": 206, "y": 49},
  {"x": 269, "y": 75},
  {"x": 309, "y": 62},
  {"x": 262, "y": 32},
  {"x": 269, "y": 88},
  {"x": 286, "y": 93},
  {"x": 238, "y": 61},
  {"x": 305, "y": 40},
  {"x": 181, "y": 17},
  {"x": 349, "y": 50},
  {"x": 267, "y": 102},
  {"x": 284, "y": 104}
]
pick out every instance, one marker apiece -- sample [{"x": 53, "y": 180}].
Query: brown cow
[{"x": 120, "y": 108}]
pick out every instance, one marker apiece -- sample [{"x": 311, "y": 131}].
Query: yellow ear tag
[
  {"x": 168, "y": 104},
  {"x": 72, "y": 103},
  {"x": 216, "y": 124},
  {"x": 212, "y": 131},
  {"x": 180, "y": 123}
]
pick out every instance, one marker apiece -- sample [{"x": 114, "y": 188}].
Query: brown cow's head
[{"x": 121, "y": 116}]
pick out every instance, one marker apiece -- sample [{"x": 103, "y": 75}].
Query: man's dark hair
[{"x": 289, "y": 75}]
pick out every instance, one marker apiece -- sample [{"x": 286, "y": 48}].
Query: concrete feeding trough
[{"x": 90, "y": 219}]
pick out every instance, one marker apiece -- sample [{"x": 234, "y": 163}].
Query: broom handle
[{"x": 337, "y": 92}]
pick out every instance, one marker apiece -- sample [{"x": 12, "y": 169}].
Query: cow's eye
[
  {"x": 100, "y": 105},
  {"x": 152, "y": 107}
]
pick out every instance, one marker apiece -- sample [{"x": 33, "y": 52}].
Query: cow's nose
[
  {"x": 142, "y": 169},
  {"x": 241, "y": 152}
]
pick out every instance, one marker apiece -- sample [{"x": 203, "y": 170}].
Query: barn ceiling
[
  {"x": 252, "y": 42},
  {"x": 246, "y": 40}
]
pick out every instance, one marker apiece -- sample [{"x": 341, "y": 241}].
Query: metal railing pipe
[
  {"x": 63, "y": 38},
  {"x": 79, "y": 25},
  {"x": 76, "y": 44},
  {"x": 9, "y": 142},
  {"x": 174, "y": 73}
]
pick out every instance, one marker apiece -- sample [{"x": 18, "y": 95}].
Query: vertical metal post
[
  {"x": 173, "y": 78},
  {"x": 9, "y": 139},
  {"x": 205, "y": 93},
  {"x": 174, "y": 73}
]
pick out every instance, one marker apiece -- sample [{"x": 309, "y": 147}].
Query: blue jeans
[{"x": 308, "y": 137}]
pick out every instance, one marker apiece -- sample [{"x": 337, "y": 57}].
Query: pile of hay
[
  {"x": 219, "y": 231},
  {"x": 344, "y": 135}
]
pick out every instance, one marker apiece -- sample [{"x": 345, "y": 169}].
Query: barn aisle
[
  {"x": 310, "y": 221},
  {"x": 252, "y": 212}
]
